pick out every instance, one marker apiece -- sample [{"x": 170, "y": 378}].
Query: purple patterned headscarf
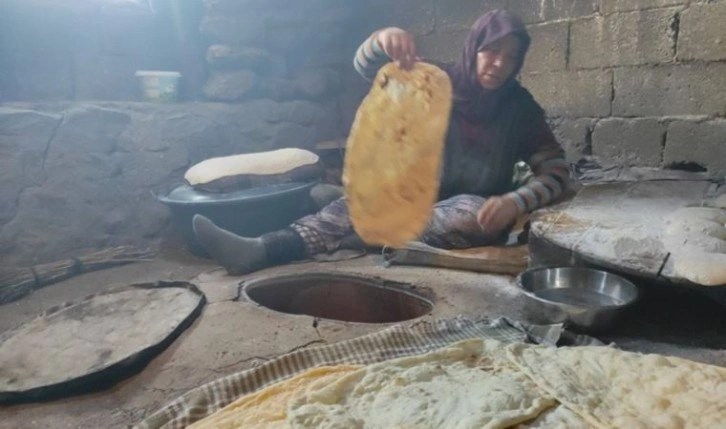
[{"x": 471, "y": 101}]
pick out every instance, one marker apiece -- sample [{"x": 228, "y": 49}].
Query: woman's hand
[
  {"x": 399, "y": 45},
  {"x": 496, "y": 214}
]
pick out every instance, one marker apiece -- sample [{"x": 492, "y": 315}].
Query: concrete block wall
[{"x": 633, "y": 82}]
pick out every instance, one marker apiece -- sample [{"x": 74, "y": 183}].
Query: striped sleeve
[
  {"x": 369, "y": 58},
  {"x": 546, "y": 158}
]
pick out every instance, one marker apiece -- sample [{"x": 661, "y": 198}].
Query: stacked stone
[{"x": 280, "y": 50}]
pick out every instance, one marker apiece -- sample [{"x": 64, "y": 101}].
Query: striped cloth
[
  {"x": 394, "y": 342},
  {"x": 544, "y": 156}
]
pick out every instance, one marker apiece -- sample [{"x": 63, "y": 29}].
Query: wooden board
[
  {"x": 84, "y": 345},
  {"x": 506, "y": 260},
  {"x": 616, "y": 226}
]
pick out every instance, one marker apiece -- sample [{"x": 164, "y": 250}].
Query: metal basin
[
  {"x": 247, "y": 212},
  {"x": 584, "y": 298}
]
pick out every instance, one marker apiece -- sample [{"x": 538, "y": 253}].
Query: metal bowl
[{"x": 584, "y": 298}]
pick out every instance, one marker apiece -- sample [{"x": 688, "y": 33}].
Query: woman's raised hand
[{"x": 399, "y": 45}]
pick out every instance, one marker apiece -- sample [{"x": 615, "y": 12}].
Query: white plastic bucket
[{"x": 159, "y": 86}]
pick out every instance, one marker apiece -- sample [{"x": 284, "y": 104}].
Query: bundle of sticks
[{"x": 16, "y": 283}]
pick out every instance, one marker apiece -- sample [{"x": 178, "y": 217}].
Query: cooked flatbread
[
  {"x": 469, "y": 385},
  {"x": 267, "y": 409},
  {"x": 557, "y": 417},
  {"x": 236, "y": 172},
  {"x": 394, "y": 153},
  {"x": 696, "y": 239},
  {"x": 612, "y": 388}
]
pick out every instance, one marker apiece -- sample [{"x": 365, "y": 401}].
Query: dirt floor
[{"x": 232, "y": 335}]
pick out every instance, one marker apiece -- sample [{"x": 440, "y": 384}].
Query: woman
[{"x": 494, "y": 123}]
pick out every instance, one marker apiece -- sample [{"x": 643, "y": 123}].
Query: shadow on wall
[{"x": 89, "y": 49}]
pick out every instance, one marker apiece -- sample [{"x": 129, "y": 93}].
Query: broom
[{"x": 16, "y": 283}]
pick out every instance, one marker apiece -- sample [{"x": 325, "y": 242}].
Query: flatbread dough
[
  {"x": 231, "y": 173},
  {"x": 267, "y": 409},
  {"x": 696, "y": 239},
  {"x": 611, "y": 388},
  {"x": 469, "y": 385},
  {"x": 557, "y": 417},
  {"x": 394, "y": 153},
  {"x": 482, "y": 383}
]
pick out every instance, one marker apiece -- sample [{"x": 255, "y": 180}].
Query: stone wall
[
  {"x": 282, "y": 50},
  {"x": 634, "y": 82},
  {"x": 90, "y": 49},
  {"x": 76, "y": 177}
]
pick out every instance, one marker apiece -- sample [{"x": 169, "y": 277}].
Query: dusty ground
[{"x": 231, "y": 335}]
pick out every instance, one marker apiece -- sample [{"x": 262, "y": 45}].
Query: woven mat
[{"x": 394, "y": 342}]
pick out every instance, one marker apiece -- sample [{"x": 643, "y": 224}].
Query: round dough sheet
[{"x": 70, "y": 346}]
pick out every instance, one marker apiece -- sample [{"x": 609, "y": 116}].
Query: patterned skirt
[{"x": 453, "y": 225}]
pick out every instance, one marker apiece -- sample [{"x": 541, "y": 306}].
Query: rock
[
  {"x": 316, "y": 84},
  {"x": 299, "y": 112},
  {"x": 327, "y": 123},
  {"x": 235, "y": 30},
  {"x": 82, "y": 187},
  {"x": 293, "y": 135},
  {"x": 242, "y": 57},
  {"x": 229, "y": 85},
  {"x": 104, "y": 160},
  {"x": 237, "y": 6},
  {"x": 278, "y": 89},
  {"x": 574, "y": 135},
  {"x": 24, "y": 137},
  {"x": 36, "y": 76}
]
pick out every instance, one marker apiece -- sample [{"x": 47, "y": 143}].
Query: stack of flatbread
[
  {"x": 251, "y": 170},
  {"x": 486, "y": 384},
  {"x": 394, "y": 151}
]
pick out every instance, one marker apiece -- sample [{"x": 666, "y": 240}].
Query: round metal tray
[{"x": 186, "y": 195}]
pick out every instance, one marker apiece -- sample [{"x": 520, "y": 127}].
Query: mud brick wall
[{"x": 633, "y": 82}]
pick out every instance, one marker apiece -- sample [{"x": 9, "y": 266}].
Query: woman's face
[{"x": 496, "y": 62}]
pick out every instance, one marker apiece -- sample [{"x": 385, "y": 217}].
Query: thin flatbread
[
  {"x": 235, "y": 172},
  {"x": 611, "y": 388},
  {"x": 469, "y": 385},
  {"x": 394, "y": 153},
  {"x": 557, "y": 417},
  {"x": 267, "y": 409}
]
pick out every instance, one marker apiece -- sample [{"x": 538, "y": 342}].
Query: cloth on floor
[{"x": 394, "y": 342}]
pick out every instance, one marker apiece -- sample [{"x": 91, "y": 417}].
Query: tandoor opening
[{"x": 335, "y": 296}]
